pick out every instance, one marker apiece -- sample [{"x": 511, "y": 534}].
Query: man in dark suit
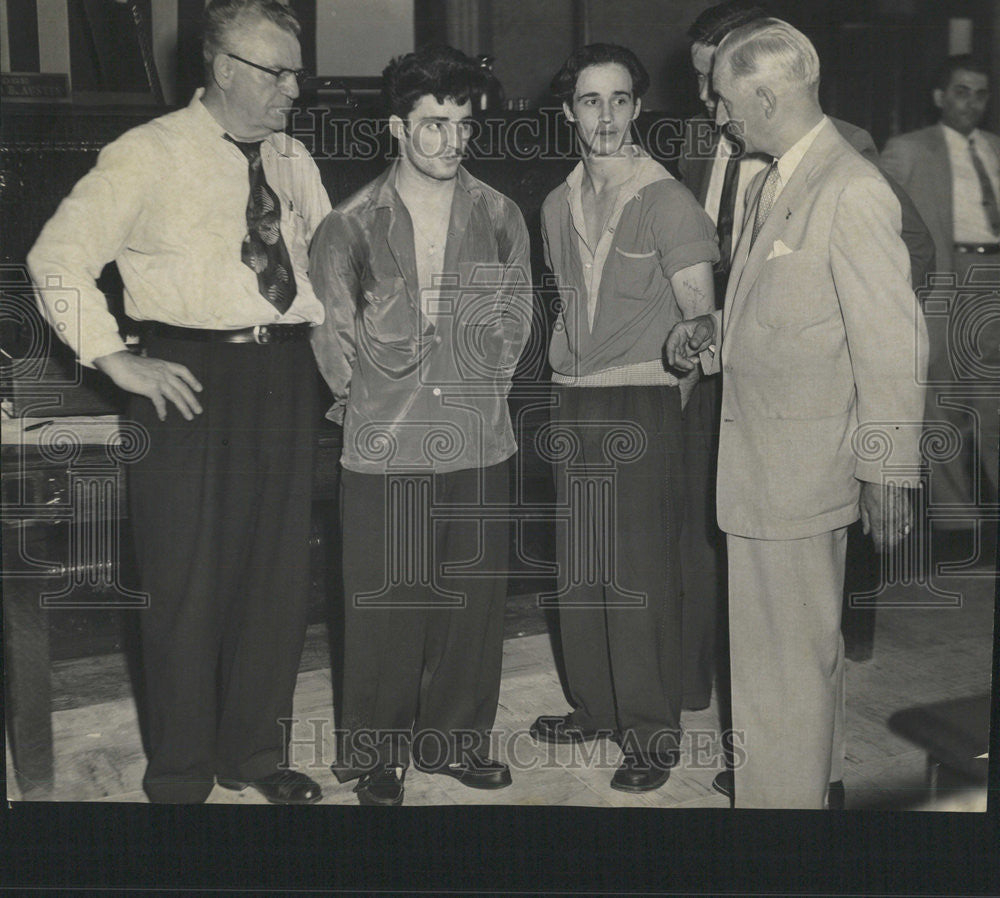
[{"x": 952, "y": 171}]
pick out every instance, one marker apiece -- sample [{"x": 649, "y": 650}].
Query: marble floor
[{"x": 922, "y": 654}]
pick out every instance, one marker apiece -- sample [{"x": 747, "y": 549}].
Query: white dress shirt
[
  {"x": 968, "y": 213},
  {"x": 167, "y": 201}
]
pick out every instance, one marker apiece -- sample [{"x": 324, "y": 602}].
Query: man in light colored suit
[
  {"x": 715, "y": 167},
  {"x": 823, "y": 349},
  {"x": 952, "y": 172}
]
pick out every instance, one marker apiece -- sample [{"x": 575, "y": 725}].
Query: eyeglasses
[{"x": 300, "y": 75}]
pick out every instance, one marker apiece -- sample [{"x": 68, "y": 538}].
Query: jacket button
[{"x": 436, "y": 391}]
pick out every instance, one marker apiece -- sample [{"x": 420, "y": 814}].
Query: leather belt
[
  {"x": 262, "y": 333},
  {"x": 981, "y": 249}
]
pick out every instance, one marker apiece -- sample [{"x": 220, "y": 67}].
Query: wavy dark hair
[
  {"x": 443, "y": 72},
  {"x": 965, "y": 62},
  {"x": 564, "y": 82},
  {"x": 714, "y": 23}
]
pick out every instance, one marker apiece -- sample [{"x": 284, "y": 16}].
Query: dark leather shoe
[
  {"x": 475, "y": 772},
  {"x": 723, "y": 783},
  {"x": 559, "y": 730},
  {"x": 835, "y": 797},
  {"x": 382, "y": 786},
  {"x": 641, "y": 773},
  {"x": 280, "y": 787}
]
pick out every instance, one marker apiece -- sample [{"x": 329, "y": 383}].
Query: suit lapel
[
  {"x": 704, "y": 169},
  {"x": 785, "y": 206},
  {"x": 942, "y": 186}
]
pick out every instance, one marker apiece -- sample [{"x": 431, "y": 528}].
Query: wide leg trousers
[
  {"x": 619, "y": 593},
  {"x": 220, "y": 510},
  {"x": 787, "y": 661},
  {"x": 425, "y": 584}
]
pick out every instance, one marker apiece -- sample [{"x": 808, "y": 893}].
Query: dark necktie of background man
[
  {"x": 989, "y": 197},
  {"x": 727, "y": 201}
]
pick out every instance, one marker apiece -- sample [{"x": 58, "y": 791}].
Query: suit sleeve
[
  {"x": 916, "y": 236},
  {"x": 886, "y": 334},
  {"x": 896, "y": 162},
  {"x": 334, "y": 272}
]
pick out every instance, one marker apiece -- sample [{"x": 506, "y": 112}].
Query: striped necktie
[
  {"x": 766, "y": 200},
  {"x": 989, "y": 197}
]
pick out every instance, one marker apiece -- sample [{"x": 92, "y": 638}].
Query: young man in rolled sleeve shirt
[
  {"x": 426, "y": 281},
  {"x": 632, "y": 251},
  {"x": 208, "y": 212}
]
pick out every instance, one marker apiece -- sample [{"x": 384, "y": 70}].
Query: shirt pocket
[
  {"x": 635, "y": 274},
  {"x": 386, "y": 315}
]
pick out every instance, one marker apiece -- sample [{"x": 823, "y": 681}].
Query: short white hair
[{"x": 773, "y": 45}]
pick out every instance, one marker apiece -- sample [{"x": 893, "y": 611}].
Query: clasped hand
[{"x": 687, "y": 339}]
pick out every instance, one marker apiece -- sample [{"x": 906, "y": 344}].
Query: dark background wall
[{"x": 877, "y": 55}]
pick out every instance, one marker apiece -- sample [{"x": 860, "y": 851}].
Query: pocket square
[{"x": 779, "y": 249}]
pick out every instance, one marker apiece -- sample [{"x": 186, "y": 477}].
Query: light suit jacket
[
  {"x": 919, "y": 162},
  {"x": 823, "y": 348},
  {"x": 698, "y": 158}
]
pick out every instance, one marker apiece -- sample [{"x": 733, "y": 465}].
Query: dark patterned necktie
[
  {"x": 263, "y": 250},
  {"x": 989, "y": 197},
  {"x": 766, "y": 200}
]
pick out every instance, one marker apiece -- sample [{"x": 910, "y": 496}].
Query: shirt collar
[
  {"x": 790, "y": 159},
  {"x": 647, "y": 172},
  {"x": 958, "y": 141},
  {"x": 205, "y": 121},
  {"x": 387, "y": 195}
]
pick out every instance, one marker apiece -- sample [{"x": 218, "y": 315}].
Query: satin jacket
[{"x": 418, "y": 393}]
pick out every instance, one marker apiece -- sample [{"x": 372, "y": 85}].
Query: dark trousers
[
  {"x": 220, "y": 510},
  {"x": 425, "y": 583},
  {"x": 620, "y": 614},
  {"x": 702, "y": 544}
]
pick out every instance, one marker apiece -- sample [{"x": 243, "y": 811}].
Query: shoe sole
[
  {"x": 470, "y": 783},
  {"x": 236, "y": 786},
  {"x": 619, "y": 787},
  {"x": 721, "y": 790},
  {"x": 367, "y": 801},
  {"x": 572, "y": 740}
]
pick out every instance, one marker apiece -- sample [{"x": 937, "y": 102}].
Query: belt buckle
[{"x": 262, "y": 334}]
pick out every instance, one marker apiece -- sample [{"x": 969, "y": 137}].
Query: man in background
[
  {"x": 952, "y": 171},
  {"x": 208, "y": 212}
]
